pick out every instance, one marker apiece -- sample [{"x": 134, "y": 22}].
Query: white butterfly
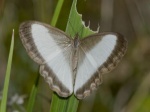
[{"x": 71, "y": 65}]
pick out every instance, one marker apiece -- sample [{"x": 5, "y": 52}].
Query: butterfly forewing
[
  {"x": 69, "y": 65},
  {"x": 98, "y": 54},
  {"x": 51, "y": 48}
]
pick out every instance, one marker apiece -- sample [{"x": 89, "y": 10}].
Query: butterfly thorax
[{"x": 76, "y": 43}]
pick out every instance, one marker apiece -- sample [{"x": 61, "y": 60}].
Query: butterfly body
[
  {"x": 71, "y": 65},
  {"x": 76, "y": 41},
  {"x": 75, "y": 45}
]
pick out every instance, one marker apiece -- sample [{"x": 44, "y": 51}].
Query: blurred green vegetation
[{"x": 126, "y": 89}]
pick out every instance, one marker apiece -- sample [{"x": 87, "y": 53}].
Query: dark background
[{"x": 125, "y": 89}]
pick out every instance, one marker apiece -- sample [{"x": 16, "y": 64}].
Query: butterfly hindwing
[
  {"x": 98, "y": 54},
  {"x": 51, "y": 49},
  {"x": 69, "y": 65}
]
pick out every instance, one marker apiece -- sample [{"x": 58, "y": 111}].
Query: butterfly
[{"x": 71, "y": 65}]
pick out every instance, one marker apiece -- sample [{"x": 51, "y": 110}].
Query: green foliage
[
  {"x": 121, "y": 90},
  {"x": 33, "y": 94},
  {"x": 57, "y": 12},
  {"x": 7, "y": 77},
  {"x": 74, "y": 25}
]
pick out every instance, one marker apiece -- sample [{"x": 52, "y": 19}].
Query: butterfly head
[{"x": 76, "y": 41}]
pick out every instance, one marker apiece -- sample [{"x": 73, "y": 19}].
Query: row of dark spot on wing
[
  {"x": 53, "y": 81},
  {"x": 45, "y": 71},
  {"x": 109, "y": 65},
  {"x": 88, "y": 87},
  {"x": 115, "y": 56},
  {"x": 93, "y": 81}
]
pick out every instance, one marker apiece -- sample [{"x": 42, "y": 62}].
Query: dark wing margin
[
  {"x": 44, "y": 44},
  {"x": 92, "y": 53}
]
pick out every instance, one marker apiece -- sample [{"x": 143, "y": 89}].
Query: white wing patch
[
  {"x": 61, "y": 67},
  {"x": 90, "y": 61},
  {"x": 45, "y": 42},
  {"x": 50, "y": 48},
  {"x": 85, "y": 70},
  {"x": 55, "y": 52}
]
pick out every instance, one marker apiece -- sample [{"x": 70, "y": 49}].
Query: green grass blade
[
  {"x": 33, "y": 94},
  {"x": 70, "y": 104},
  {"x": 7, "y": 77},
  {"x": 57, "y": 12},
  {"x": 58, "y": 104},
  {"x": 63, "y": 104},
  {"x": 74, "y": 26}
]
